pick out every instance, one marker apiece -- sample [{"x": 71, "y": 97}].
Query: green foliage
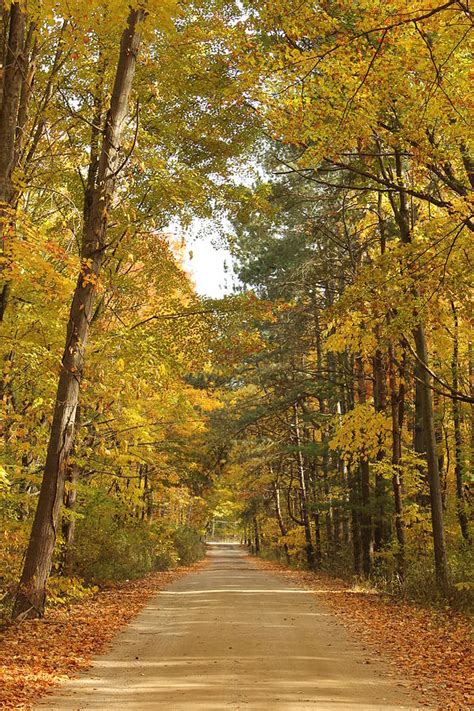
[
  {"x": 62, "y": 590},
  {"x": 113, "y": 545},
  {"x": 188, "y": 545},
  {"x": 110, "y": 545}
]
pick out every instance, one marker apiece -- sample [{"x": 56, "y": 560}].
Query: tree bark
[
  {"x": 256, "y": 534},
  {"x": 404, "y": 220},
  {"x": 381, "y": 530},
  {"x": 329, "y": 515},
  {"x": 39, "y": 556},
  {"x": 281, "y": 522},
  {"x": 441, "y": 562},
  {"x": 12, "y": 78},
  {"x": 459, "y": 460},
  {"x": 69, "y": 526},
  {"x": 438, "y": 423},
  {"x": 365, "y": 514},
  {"x": 304, "y": 494},
  {"x": 355, "y": 520},
  {"x": 11, "y": 91},
  {"x": 397, "y": 411},
  {"x": 419, "y": 439}
]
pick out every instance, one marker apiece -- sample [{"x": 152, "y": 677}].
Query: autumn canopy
[{"x": 322, "y": 411}]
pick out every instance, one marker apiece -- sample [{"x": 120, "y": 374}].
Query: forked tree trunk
[{"x": 39, "y": 556}]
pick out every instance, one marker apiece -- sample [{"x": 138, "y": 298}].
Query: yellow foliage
[{"x": 361, "y": 433}]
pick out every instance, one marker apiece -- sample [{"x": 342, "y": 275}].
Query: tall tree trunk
[
  {"x": 404, "y": 218},
  {"x": 304, "y": 493},
  {"x": 342, "y": 468},
  {"x": 149, "y": 505},
  {"x": 438, "y": 423},
  {"x": 39, "y": 556},
  {"x": 470, "y": 356},
  {"x": 279, "y": 515},
  {"x": 397, "y": 411},
  {"x": 441, "y": 561},
  {"x": 329, "y": 515},
  {"x": 69, "y": 520},
  {"x": 419, "y": 439},
  {"x": 355, "y": 519},
  {"x": 341, "y": 408},
  {"x": 459, "y": 460},
  {"x": 318, "y": 551},
  {"x": 381, "y": 529},
  {"x": 256, "y": 532},
  {"x": 69, "y": 525},
  {"x": 365, "y": 514},
  {"x": 12, "y": 77}
]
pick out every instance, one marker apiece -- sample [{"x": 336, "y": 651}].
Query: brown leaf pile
[
  {"x": 432, "y": 649},
  {"x": 37, "y": 655}
]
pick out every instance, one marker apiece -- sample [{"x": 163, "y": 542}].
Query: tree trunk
[
  {"x": 304, "y": 494},
  {"x": 281, "y": 523},
  {"x": 318, "y": 551},
  {"x": 441, "y": 562},
  {"x": 459, "y": 463},
  {"x": 397, "y": 410},
  {"x": 257, "y": 535},
  {"x": 470, "y": 356},
  {"x": 365, "y": 514},
  {"x": 69, "y": 525},
  {"x": 438, "y": 423},
  {"x": 355, "y": 521},
  {"x": 12, "y": 78},
  {"x": 149, "y": 505},
  {"x": 381, "y": 530},
  {"x": 39, "y": 556},
  {"x": 329, "y": 516},
  {"x": 403, "y": 217}
]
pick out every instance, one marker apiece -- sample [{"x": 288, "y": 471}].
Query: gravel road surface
[{"x": 233, "y": 636}]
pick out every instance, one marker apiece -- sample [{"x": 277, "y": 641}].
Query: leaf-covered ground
[
  {"x": 432, "y": 650},
  {"x": 37, "y": 655}
]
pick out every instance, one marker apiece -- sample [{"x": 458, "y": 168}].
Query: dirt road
[{"x": 232, "y": 636}]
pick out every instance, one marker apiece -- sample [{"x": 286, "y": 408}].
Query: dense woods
[{"x": 323, "y": 412}]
